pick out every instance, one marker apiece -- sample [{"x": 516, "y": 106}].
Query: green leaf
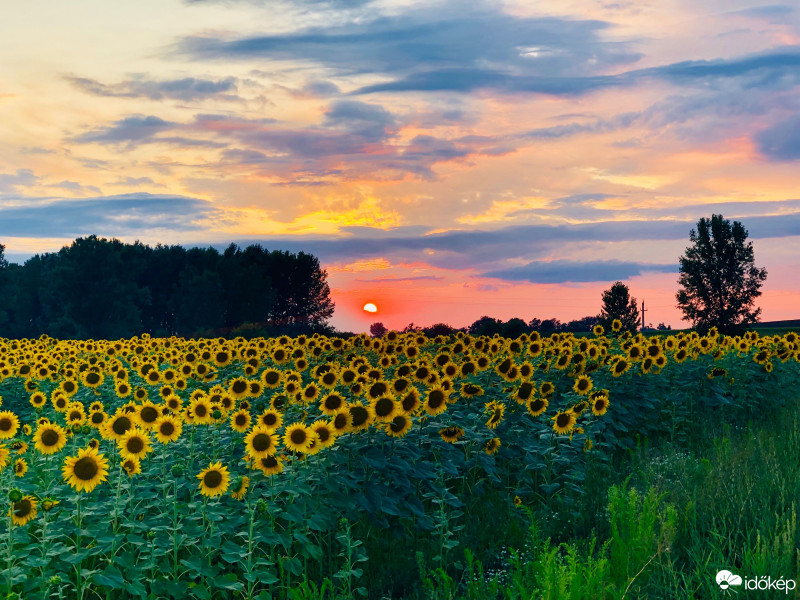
[{"x": 111, "y": 578}]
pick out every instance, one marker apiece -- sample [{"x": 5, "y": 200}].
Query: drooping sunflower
[
  {"x": 564, "y": 421},
  {"x": 496, "y": 410},
  {"x": 84, "y": 471},
  {"x": 20, "y": 467},
  {"x": 269, "y": 465},
  {"x": 49, "y": 438},
  {"x": 23, "y": 511},
  {"x": 492, "y": 446},
  {"x": 451, "y": 434},
  {"x": 9, "y": 424},
  {"x": 435, "y": 401},
  {"x": 240, "y": 488},
  {"x": 135, "y": 443},
  {"x": 19, "y": 446},
  {"x": 298, "y": 437},
  {"x": 131, "y": 466},
  {"x": 214, "y": 480},
  {"x": 410, "y": 401},
  {"x": 261, "y": 442}
]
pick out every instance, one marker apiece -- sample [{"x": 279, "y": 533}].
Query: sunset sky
[{"x": 444, "y": 160}]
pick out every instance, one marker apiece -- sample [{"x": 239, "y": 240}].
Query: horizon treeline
[{"x": 106, "y": 289}]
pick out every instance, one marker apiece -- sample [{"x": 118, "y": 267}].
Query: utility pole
[{"x": 642, "y": 315}]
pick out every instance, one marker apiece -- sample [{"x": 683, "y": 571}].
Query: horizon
[{"x": 439, "y": 178}]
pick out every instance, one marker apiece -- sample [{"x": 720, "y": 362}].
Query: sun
[{"x": 370, "y": 307}]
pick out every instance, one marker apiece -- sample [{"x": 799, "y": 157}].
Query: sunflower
[
  {"x": 214, "y": 480},
  {"x": 116, "y": 427},
  {"x": 517, "y": 501},
  {"x": 451, "y": 434},
  {"x": 270, "y": 419},
  {"x": 492, "y": 446},
  {"x": 19, "y": 446},
  {"x": 325, "y": 433},
  {"x": 525, "y": 390},
  {"x": 147, "y": 414},
  {"x": 342, "y": 421},
  {"x": 410, "y": 401},
  {"x": 600, "y": 403},
  {"x": 84, "y": 471},
  {"x": 269, "y": 465},
  {"x": 435, "y": 401},
  {"x": 122, "y": 389},
  {"x": 240, "y": 487},
  {"x": 331, "y": 403},
  {"x": 9, "y": 424},
  {"x": 471, "y": 390},
  {"x": 398, "y": 427},
  {"x": 238, "y": 388},
  {"x": 68, "y": 386},
  {"x": 547, "y": 389},
  {"x": 240, "y": 421},
  {"x": 598, "y": 330},
  {"x": 362, "y": 417},
  {"x": 496, "y": 410},
  {"x": 385, "y": 408},
  {"x": 49, "y": 438},
  {"x": 616, "y": 325},
  {"x": 619, "y": 367},
  {"x": 298, "y": 437},
  {"x": 200, "y": 410},
  {"x": 168, "y": 429},
  {"x": 20, "y": 467},
  {"x": 23, "y": 511},
  {"x": 75, "y": 414},
  {"x": 261, "y": 442},
  {"x": 271, "y": 378},
  {"x": 564, "y": 421},
  {"x": 60, "y": 401},
  {"x": 583, "y": 385},
  {"x": 537, "y": 406},
  {"x": 38, "y": 400},
  {"x": 135, "y": 443},
  {"x": 131, "y": 466}
]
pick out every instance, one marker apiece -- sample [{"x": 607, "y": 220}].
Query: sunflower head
[{"x": 214, "y": 480}]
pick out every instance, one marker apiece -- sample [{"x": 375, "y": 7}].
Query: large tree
[
  {"x": 719, "y": 278},
  {"x": 618, "y": 304}
]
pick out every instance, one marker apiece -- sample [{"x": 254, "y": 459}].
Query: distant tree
[
  {"x": 618, "y": 304},
  {"x": 514, "y": 327},
  {"x": 534, "y": 324},
  {"x": 584, "y": 324},
  {"x": 719, "y": 278},
  {"x": 377, "y": 330},
  {"x": 410, "y": 328},
  {"x": 438, "y": 329},
  {"x": 549, "y": 326},
  {"x": 485, "y": 326}
]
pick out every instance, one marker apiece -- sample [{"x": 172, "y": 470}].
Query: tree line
[{"x": 106, "y": 289}]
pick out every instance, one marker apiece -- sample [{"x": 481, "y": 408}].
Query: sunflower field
[{"x": 316, "y": 467}]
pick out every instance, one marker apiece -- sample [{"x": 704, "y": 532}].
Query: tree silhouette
[
  {"x": 719, "y": 278},
  {"x": 618, "y": 304},
  {"x": 378, "y": 330}
]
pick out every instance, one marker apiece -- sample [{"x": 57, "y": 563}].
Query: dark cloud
[
  {"x": 371, "y": 122},
  {"x": 563, "y": 271},
  {"x": 447, "y": 47},
  {"x": 107, "y": 215},
  {"x": 781, "y": 142},
  {"x": 396, "y": 279},
  {"x": 490, "y": 251},
  {"x": 141, "y": 130},
  {"x": 186, "y": 89}
]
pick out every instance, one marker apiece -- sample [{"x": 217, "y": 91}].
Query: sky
[{"x": 444, "y": 160}]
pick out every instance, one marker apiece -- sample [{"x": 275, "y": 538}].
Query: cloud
[
  {"x": 22, "y": 178},
  {"x": 141, "y": 130},
  {"x": 434, "y": 48},
  {"x": 106, "y": 215},
  {"x": 563, "y": 271},
  {"x": 781, "y": 142},
  {"x": 186, "y": 89},
  {"x": 397, "y": 279}
]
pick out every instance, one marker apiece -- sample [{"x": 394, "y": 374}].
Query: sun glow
[{"x": 370, "y": 307}]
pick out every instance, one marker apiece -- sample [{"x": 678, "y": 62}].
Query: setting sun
[{"x": 370, "y": 307}]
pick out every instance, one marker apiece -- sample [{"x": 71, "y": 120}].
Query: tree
[
  {"x": 618, "y": 304},
  {"x": 378, "y": 330},
  {"x": 719, "y": 278}
]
